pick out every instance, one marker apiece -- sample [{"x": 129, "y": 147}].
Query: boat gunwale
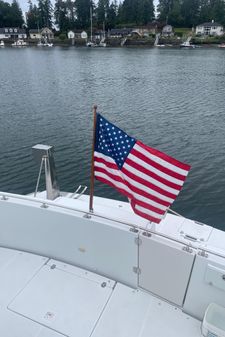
[{"x": 5, "y": 196}]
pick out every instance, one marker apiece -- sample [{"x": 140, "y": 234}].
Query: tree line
[
  {"x": 75, "y": 14},
  {"x": 189, "y": 13}
]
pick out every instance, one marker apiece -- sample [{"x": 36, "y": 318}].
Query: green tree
[
  {"x": 145, "y": 12},
  {"x": 190, "y": 11},
  {"x": 218, "y": 11},
  {"x": 83, "y": 13},
  {"x": 112, "y": 15},
  {"x": 16, "y": 15},
  {"x": 164, "y": 8},
  {"x": 32, "y": 16},
  {"x": 45, "y": 13}
]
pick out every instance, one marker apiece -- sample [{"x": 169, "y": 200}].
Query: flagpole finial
[{"x": 95, "y": 108}]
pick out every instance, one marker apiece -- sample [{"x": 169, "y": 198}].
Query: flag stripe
[
  {"x": 145, "y": 214},
  {"x": 151, "y": 177},
  {"x": 147, "y": 185},
  {"x": 132, "y": 190},
  {"x": 163, "y": 159},
  {"x": 157, "y": 166},
  {"x": 149, "y": 169},
  {"x": 119, "y": 186},
  {"x": 134, "y": 185},
  {"x": 100, "y": 159}
]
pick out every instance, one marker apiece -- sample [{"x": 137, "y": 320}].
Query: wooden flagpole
[{"x": 92, "y": 160}]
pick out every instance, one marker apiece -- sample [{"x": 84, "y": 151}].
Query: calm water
[{"x": 173, "y": 100}]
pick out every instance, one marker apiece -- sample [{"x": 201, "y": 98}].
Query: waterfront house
[
  {"x": 36, "y": 34},
  {"x": 209, "y": 28},
  {"x": 77, "y": 34},
  {"x": 116, "y": 32},
  {"x": 12, "y": 33},
  {"x": 167, "y": 30}
]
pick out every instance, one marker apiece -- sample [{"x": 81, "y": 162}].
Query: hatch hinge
[
  {"x": 203, "y": 253},
  {"x": 137, "y": 270},
  {"x": 188, "y": 249},
  {"x": 138, "y": 241}
]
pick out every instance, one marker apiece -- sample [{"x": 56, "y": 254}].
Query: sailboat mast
[{"x": 91, "y": 21}]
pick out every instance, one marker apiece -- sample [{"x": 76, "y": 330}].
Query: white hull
[
  {"x": 19, "y": 43},
  {"x": 119, "y": 275}
]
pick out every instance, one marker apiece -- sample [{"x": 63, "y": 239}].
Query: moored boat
[
  {"x": 19, "y": 43},
  {"x": 2, "y": 43},
  {"x": 187, "y": 44}
]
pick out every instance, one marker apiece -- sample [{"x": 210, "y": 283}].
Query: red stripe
[
  {"x": 133, "y": 188},
  {"x": 149, "y": 207},
  {"x": 165, "y": 157},
  {"x": 111, "y": 175},
  {"x": 152, "y": 174},
  {"x": 144, "y": 215},
  {"x": 103, "y": 161},
  {"x": 157, "y": 166},
  {"x": 130, "y": 196},
  {"x": 122, "y": 191},
  {"x": 148, "y": 184}
]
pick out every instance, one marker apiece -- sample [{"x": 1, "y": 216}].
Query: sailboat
[
  {"x": 91, "y": 43},
  {"x": 102, "y": 43}
]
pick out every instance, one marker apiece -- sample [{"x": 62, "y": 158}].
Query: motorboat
[
  {"x": 69, "y": 271},
  {"x": 91, "y": 44},
  {"x": 19, "y": 43},
  {"x": 187, "y": 44},
  {"x": 222, "y": 45},
  {"x": 44, "y": 44},
  {"x": 2, "y": 43}
]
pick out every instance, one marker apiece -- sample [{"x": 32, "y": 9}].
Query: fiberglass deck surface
[{"x": 40, "y": 297}]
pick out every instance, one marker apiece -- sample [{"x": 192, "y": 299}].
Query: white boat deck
[{"x": 41, "y": 297}]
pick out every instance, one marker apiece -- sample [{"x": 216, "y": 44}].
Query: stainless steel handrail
[{"x": 45, "y": 203}]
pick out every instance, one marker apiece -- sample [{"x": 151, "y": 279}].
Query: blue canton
[{"x": 112, "y": 141}]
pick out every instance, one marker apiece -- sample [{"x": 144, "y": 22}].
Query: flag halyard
[{"x": 149, "y": 178}]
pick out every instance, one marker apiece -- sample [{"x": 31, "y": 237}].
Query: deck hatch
[{"x": 66, "y": 301}]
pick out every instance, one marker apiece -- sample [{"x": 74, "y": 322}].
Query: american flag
[{"x": 149, "y": 178}]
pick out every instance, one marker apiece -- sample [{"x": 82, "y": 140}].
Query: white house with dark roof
[
  {"x": 210, "y": 28},
  {"x": 167, "y": 30},
  {"x": 12, "y": 33},
  {"x": 36, "y": 34}
]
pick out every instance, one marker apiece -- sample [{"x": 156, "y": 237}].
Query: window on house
[
  {"x": 15, "y": 30},
  {"x": 6, "y": 30},
  {"x": 10, "y": 29}
]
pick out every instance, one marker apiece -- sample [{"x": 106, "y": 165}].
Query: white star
[
  {"x": 128, "y": 145},
  {"x": 125, "y": 136}
]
